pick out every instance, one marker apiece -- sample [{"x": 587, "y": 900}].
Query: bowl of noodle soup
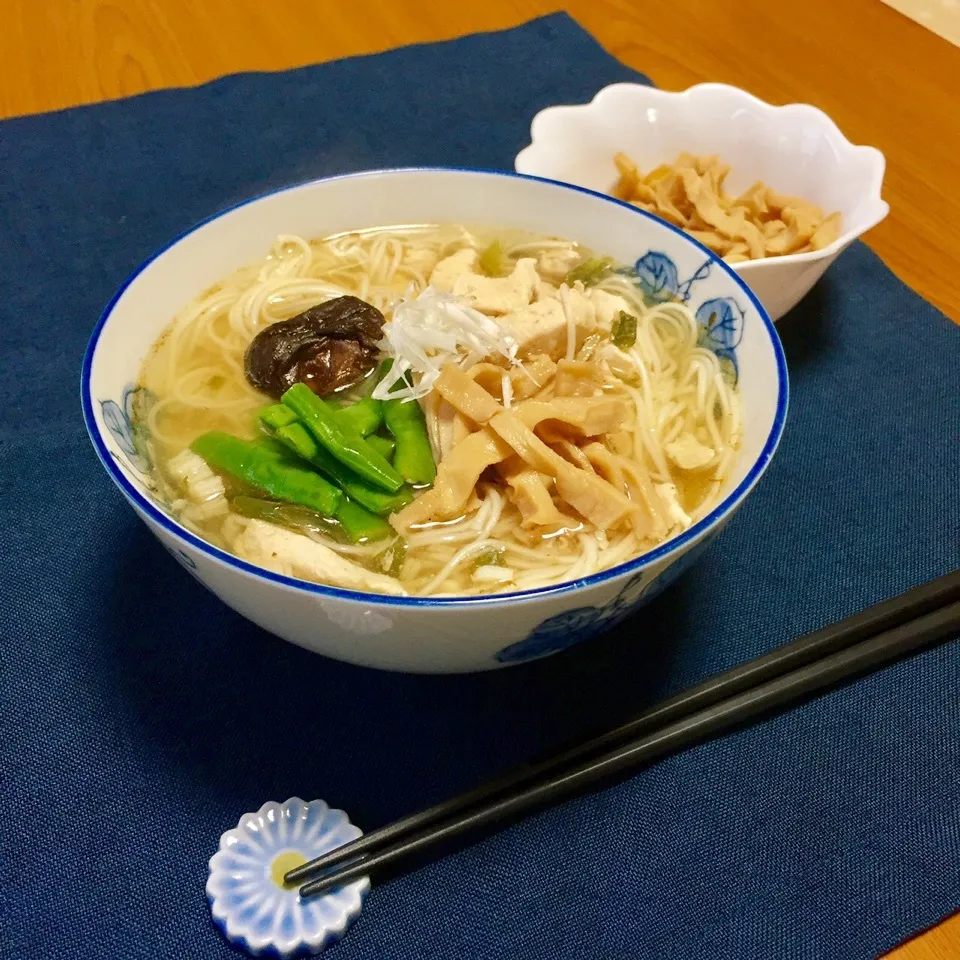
[{"x": 434, "y": 420}]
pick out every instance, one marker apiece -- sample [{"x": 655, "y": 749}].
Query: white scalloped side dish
[{"x": 796, "y": 149}]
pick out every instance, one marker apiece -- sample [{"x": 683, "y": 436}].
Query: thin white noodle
[{"x": 470, "y": 550}]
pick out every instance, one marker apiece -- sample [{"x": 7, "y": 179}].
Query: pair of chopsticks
[{"x": 927, "y": 615}]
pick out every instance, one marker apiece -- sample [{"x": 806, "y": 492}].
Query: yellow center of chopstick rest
[{"x": 283, "y": 863}]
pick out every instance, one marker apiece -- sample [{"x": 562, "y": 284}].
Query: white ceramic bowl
[
  {"x": 428, "y": 635},
  {"x": 796, "y": 149}
]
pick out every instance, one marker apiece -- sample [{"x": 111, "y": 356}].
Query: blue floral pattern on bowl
[
  {"x": 658, "y": 278},
  {"x": 122, "y": 422},
  {"x": 720, "y": 319},
  {"x": 721, "y": 325},
  {"x": 573, "y": 626},
  {"x": 247, "y": 898}
]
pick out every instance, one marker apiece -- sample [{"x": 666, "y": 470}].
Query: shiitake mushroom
[{"x": 328, "y": 347}]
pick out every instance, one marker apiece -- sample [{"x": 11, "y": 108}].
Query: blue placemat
[{"x": 140, "y": 717}]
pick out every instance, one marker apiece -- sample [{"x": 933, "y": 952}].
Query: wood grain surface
[{"x": 885, "y": 80}]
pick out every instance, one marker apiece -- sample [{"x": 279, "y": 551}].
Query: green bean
[
  {"x": 364, "y": 416},
  {"x": 296, "y": 438},
  {"x": 359, "y": 524},
  {"x": 272, "y": 447},
  {"x": 258, "y": 465},
  {"x": 340, "y": 440},
  {"x": 277, "y": 415},
  {"x": 413, "y": 457},
  {"x": 383, "y": 445}
]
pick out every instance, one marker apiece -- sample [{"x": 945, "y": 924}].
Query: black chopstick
[
  {"x": 838, "y": 636},
  {"x": 782, "y": 691}
]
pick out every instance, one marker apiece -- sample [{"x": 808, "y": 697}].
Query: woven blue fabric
[{"x": 141, "y": 717}]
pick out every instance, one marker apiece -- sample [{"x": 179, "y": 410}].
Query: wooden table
[{"x": 884, "y": 79}]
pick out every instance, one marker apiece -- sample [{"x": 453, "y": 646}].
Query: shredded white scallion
[{"x": 429, "y": 331}]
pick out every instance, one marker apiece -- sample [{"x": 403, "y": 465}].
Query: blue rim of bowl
[{"x": 637, "y": 563}]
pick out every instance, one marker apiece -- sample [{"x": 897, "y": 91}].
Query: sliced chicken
[
  {"x": 688, "y": 453},
  {"x": 676, "y": 515},
  {"x": 195, "y": 478},
  {"x": 420, "y": 260},
  {"x": 495, "y": 295},
  {"x": 446, "y": 272},
  {"x": 204, "y": 495},
  {"x": 547, "y": 290},
  {"x": 607, "y": 307},
  {"x": 556, "y": 264},
  {"x": 542, "y": 327},
  {"x": 295, "y": 555}
]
